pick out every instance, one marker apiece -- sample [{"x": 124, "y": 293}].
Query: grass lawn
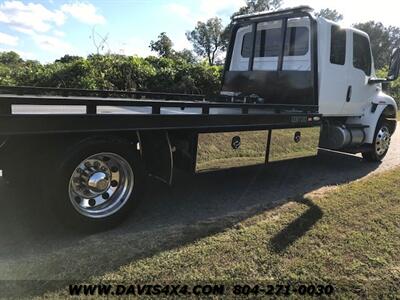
[{"x": 348, "y": 236}]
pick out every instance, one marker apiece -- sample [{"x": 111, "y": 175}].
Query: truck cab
[
  {"x": 346, "y": 66},
  {"x": 290, "y": 57}
]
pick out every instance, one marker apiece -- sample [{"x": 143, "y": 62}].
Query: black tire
[
  {"x": 58, "y": 191},
  {"x": 377, "y": 151}
]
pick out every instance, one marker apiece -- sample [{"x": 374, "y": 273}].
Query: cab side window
[
  {"x": 361, "y": 53},
  {"x": 338, "y": 45}
]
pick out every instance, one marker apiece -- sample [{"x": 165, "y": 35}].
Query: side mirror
[
  {"x": 394, "y": 69},
  {"x": 394, "y": 66}
]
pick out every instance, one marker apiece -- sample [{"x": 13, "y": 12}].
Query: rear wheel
[
  {"x": 101, "y": 185},
  {"x": 97, "y": 185},
  {"x": 381, "y": 144}
]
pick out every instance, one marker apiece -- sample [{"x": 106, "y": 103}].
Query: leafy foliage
[
  {"x": 383, "y": 40},
  {"x": 207, "y": 39},
  {"x": 180, "y": 73},
  {"x": 10, "y": 58},
  {"x": 330, "y": 14},
  {"x": 163, "y": 46},
  {"x": 253, "y": 6}
]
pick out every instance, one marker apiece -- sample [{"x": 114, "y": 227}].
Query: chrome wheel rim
[
  {"x": 101, "y": 185},
  {"x": 382, "y": 142}
]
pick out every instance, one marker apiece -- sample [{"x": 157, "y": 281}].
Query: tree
[
  {"x": 163, "y": 46},
  {"x": 68, "y": 59},
  {"x": 330, "y": 14},
  {"x": 252, "y": 6},
  {"x": 383, "y": 40},
  {"x": 207, "y": 39},
  {"x": 10, "y": 58},
  {"x": 100, "y": 42},
  {"x": 394, "y": 36},
  {"x": 185, "y": 54}
]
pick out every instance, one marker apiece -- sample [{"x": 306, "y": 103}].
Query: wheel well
[
  {"x": 54, "y": 144},
  {"x": 390, "y": 115},
  {"x": 165, "y": 151},
  {"x": 129, "y": 138}
]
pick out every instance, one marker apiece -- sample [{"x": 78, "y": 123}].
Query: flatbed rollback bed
[
  {"x": 46, "y": 132},
  {"x": 87, "y": 153}
]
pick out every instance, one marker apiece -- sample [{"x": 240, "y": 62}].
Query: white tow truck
[
  {"x": 292, "y": 84},
  {"x": 357, "y": 115}
]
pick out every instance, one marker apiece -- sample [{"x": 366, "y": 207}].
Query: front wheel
[
  {"x": 97, "y": 185},
  {"x": 381, "y": 144}
]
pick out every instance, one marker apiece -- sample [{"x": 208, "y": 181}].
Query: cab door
[
  {"x": 360, "y": 70},
  {"x": 333, "y": 78}
]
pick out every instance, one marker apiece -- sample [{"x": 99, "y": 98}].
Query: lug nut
[
  {"x": 97, "y": 165},
  {"x": 106, "y": 196},
  {"x": 78, "y": 200},
  {"x": 114, "y": 183},
  {"x": 92, "y": 202},
  {"x": 114, "y": 169}
]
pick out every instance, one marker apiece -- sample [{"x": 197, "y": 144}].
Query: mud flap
[{"x": 157, "y": 154}]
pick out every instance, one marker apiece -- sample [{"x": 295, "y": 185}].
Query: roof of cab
[{"x": 302, "y": 8}]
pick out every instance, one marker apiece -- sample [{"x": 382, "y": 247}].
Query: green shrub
[{"x": 177, "y": 74}]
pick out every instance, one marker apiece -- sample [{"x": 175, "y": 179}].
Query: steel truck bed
[
  {"x": 36, "y": 111},
  {"x": 100, "y": 146}
]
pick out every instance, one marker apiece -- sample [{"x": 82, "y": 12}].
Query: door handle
[{"x": 349, "y": 92}]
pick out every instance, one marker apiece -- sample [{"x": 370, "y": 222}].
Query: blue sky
[{"x": 47, "y": 29}]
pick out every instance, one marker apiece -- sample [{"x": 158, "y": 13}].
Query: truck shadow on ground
[
  {"x": 297, "y": 228},
  {"x": 36, "y": 247}
]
